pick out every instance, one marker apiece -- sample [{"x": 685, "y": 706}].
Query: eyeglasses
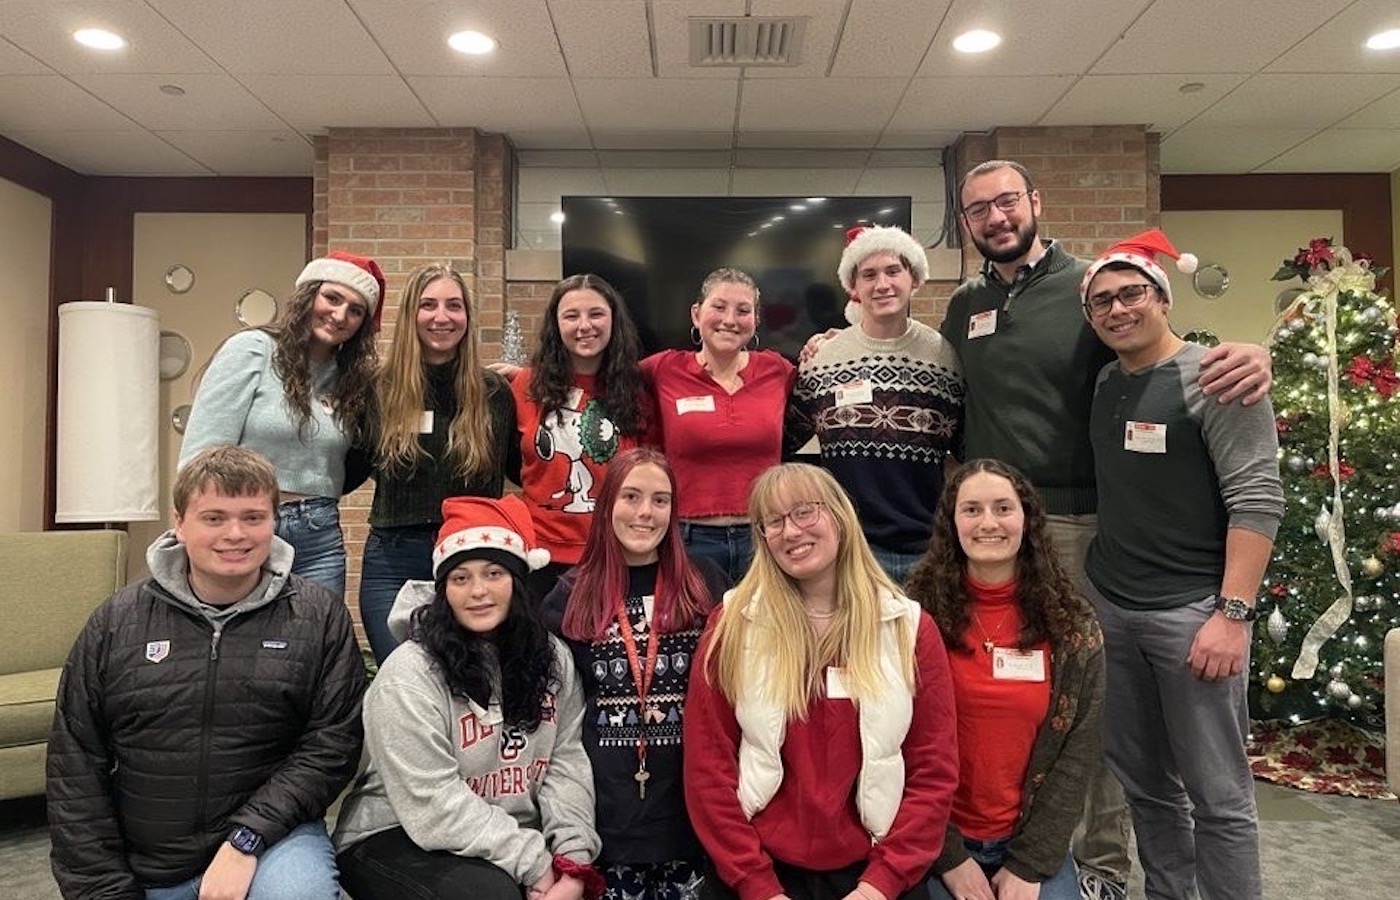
[
  {"x": 803, "y": 515},
  {"x": 978, "y": 211},
  {"x": 1129, "y": 295}
]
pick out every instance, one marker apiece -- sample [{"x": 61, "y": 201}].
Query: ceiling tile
[
  {"x": 673, "y": 36},
  {"x": 884, "y": 39},
  {"x": 864, "y": 104},
  {"x": 1201, "y": 148},
  {"x": 310, "y": 102},
  {"x": 665, "y": 104},
  {"x": 493, "y": 104},
  {"x": 111, "y": 152},
  {"x": 44, "y": 29},
  {"x": 1354, "y": 150},
  {"x": 1213, "y": 36},
  {"x": 1152, "y": 100},
  {"x": 1050, "y": 37},
  {"x": 1267, "y": 100},
  {"x": 1339, "y": 43},
  {"x": 210, "y": 101},
  {"x": 414, "y": 36},
  {"x": 977, "y": 104},
  {"x": 270, "y": 37},
  {"x": 53, "y": 103},
  {"x": 14, "y": 61},
  {"x": 1381, "y": 113},
  {"x": 604, "y": 38},
  {"x": 245, "y": 152}
]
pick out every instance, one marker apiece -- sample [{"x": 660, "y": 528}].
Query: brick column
[{"x": 409, "y": 197}]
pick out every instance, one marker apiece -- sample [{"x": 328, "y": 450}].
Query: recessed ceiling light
[
  {"x": 473, "y": 43},
  {"x": 172, "y": 90},
  {"x": 556, "y": 217},
  {"x": 98, "y": 39},
  {"x": 1192, "y": 87},
  {"x": 978, "y": 40},
  {"x": 1384, "y": 40}
]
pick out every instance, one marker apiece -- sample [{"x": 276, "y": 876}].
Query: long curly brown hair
[
  {"x": 1051, "y": 607},
  {"x": 620, "y": 386},
  {"x": 356, "y": 361}
]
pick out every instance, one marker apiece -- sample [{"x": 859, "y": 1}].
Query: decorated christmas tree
[{"x": 1333, "y": 589}]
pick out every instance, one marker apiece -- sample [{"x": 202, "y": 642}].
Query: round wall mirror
[
  {"x": 175, "y": 355},
  {"x": 256, "y": 307},
  {"x": 1286, "y": 297},
  {"x": 180, "y": 417},
  {"x": 179, "y": 278},
  {"x": 1211, "y": 281}
]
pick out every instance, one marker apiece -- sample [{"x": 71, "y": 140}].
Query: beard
[{"x": 1025, "y": 237}]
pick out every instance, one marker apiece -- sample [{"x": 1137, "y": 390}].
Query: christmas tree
[{"x": 1333, "y": 589}]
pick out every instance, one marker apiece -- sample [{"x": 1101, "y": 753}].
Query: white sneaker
[{"x": 1093, "y": 886}]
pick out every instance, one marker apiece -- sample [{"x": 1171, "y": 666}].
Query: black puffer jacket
[{"x": 175, "y": 725}]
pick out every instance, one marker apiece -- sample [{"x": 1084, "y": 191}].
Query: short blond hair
[{"x": 230, "y": 471}]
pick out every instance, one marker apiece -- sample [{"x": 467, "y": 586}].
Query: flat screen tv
[{"x": 657, "y": 250}]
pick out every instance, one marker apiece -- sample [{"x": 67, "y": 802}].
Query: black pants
[
  {"x": 389, "y": 866},
  {"x": 806, "y": 884}
]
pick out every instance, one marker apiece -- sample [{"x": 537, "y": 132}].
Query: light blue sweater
[{"x": 241, "y": 401}]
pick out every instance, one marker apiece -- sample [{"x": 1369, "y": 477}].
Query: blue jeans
[
  {"x": 728, "y": 546},
  {"x": 990, "y": 855},
  {"x": 392, "y": 557},
  {"x": 895, "y": 564},
  {"x": 312, "y": 527},
  {"x": 301, "y": 866}
]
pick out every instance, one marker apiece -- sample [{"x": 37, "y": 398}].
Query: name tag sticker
[
  {"x": 1010, "y": 664},
  {"x": 425, "y": 422},
  {"x": 694, "y": 404},
  {"x": 982, "y": 324},
  {"x": 1144, "y": 437},
  {"x": 853, "y": 392},
  {"x": 836, "y": 684}
]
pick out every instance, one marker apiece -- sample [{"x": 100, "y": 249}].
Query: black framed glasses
[
  {"x": 1129, "y": 295},
  {"x": 803, "y": 515},
  {"x": 978, "y": 211}
]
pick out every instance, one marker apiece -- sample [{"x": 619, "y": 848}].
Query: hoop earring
[{"x": 695, "y": 335}]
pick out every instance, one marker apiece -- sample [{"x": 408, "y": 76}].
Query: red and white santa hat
[
  {"x": 482, "y": 528},
  {"x": 864, "y": 241},
  {"x": 1140, "y": 251},
  {"x": 359, "y": 273}
]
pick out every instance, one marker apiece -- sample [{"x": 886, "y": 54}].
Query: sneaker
[{"x": 1093, "y": 886}]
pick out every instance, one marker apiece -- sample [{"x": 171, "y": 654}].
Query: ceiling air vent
[{"x": 747, "y": 41}]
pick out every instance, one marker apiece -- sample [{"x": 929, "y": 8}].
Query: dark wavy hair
[
  {"x": 1051, "y": 606},
  {"x": 517, "y": 661},
  {"x": 356, "y": 362},
  {"x": 620, "y": 387}
]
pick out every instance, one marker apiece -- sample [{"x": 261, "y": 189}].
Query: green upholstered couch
[{"x": 50, "y": 582}]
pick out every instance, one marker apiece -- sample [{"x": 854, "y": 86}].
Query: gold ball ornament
[
  {"x": 1372, "y": 567},
  {"x": 1275, "y": 684}
]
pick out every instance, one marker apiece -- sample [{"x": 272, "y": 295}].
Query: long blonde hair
[
  {"x": 764, "y": 626},
  {"x": 402, "y": 385}
]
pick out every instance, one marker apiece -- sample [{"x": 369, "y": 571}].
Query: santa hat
[
  {"x": 865, "y": 241},
  {"x": 482, "y": 528},
  {"x": 359, "y": 273},
  {"x": 1140, "y": 251}
]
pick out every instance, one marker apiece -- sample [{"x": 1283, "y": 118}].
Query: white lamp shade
[{"x": 108, "y": 456}]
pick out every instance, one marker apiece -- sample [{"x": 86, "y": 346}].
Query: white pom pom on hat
[
  {"x": 1141, "y": 251},
  {"x": 864, "y": 241}
]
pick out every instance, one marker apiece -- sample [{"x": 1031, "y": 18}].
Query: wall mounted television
[{"x": 657, "y": 250}]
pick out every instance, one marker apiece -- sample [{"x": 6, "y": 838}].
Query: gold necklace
[
  {"x": 988, "y": 642},
  {"x": 825, "y": 615}
]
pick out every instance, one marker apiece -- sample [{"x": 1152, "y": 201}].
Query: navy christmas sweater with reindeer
[{"x": 637, "y": 830}]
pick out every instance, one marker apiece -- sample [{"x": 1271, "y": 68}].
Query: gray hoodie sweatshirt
[{"x": 457, "y": 779}]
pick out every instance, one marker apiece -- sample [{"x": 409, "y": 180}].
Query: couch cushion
[
  {"x": 26, "y": 706},
  {"x": 53, "y": 581}
]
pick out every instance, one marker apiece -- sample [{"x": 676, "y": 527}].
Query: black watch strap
[
  {"x": 1236, "y": 609},
  {"x": 246, "y": 840}
]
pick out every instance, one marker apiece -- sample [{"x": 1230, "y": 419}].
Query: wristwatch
[
  {"x": 246, "y": 840},
  {"x": 1235, "y": 609}
]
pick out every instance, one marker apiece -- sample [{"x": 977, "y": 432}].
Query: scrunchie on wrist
[{"x": 593, "y": 883}]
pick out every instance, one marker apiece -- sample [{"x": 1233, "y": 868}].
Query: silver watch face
[{"x": 1235, "y": 609}]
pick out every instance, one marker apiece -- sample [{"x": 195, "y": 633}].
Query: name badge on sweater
[
  {"x": 853, "y": 392},
  {"x": 425, "y": 422},
  {"x": 982, "y": 324},
  {"x": 836, "y": 684},
  {"x": 1144, "y": 437},
  {"x": 694, "y": 404},
  {"x": 1010, "y": 664}
]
